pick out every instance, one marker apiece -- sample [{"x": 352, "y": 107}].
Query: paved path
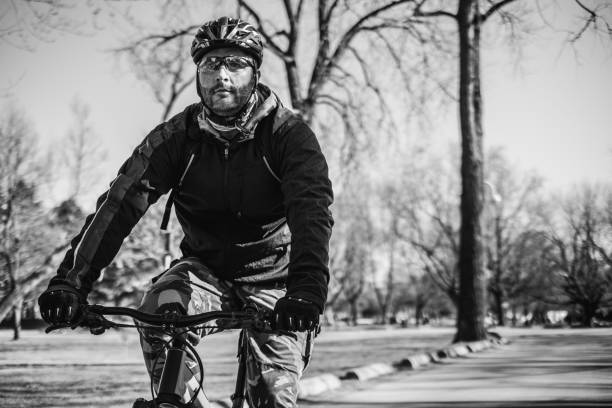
[{"x": 541, "y": 368}]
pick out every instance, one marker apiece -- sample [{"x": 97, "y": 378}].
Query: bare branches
[
  {"x": 161, "y": 62},
  {"x": 324, "y": 65},
  {"x": 158, "y": 40},
  {"x": 24, "y": 23},
  {"x": 418, "y": 12},
  {"x": 495, "y": 7},
  {"x": 273, "y": 45},
  {"x": 293, "y": 25},
  {"x": 593, "y": 18},
  {"x": 579, "y": 260}
]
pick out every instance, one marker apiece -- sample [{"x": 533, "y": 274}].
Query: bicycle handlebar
[{"x": 92, "y": 317}]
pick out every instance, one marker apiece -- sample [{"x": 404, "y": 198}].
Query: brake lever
[
  {"x": 72, "y": 326},
  {"x": 96, "y": 323},
  {"x": 54, "y": 327}
]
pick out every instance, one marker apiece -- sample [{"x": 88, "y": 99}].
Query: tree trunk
[
  {"x": 418, "y": 314},
  {"x": 17, "y": 309},
  {"x": 353, "y": 310},
  {"x": 30, "y": 282},
  {"x": 471, "y": 310},
  {"x": 499, "y": 308},
  {"x": 293, "y": 82},
  {"x": 24, "y": 288},
  {"x": 383, "y": 314},
  {"x": 588, "y": 314},
  {"x": 329, "y": 317}
]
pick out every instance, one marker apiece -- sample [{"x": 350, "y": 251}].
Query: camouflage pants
[{"x": 275, "y": 361}]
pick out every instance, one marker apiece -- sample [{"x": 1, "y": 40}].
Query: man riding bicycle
[{"x": 251, "y": 191}]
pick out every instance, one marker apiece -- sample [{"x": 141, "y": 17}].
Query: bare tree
[
  {"x": 469, "y": 16},
  {"x": 23, "y": 23},
  {"x": 424, "y": 292},
  {"x": 83, "y": 150},
  {"x": 352, "y": 245},
  {"x": 602, "y": 245},
  {"x": 427, "y": 206},
  {"x": 340, "y": 29},
  {"x": 586, "y": 277},
  {"x": 384, "y": 289},
  {"x": 342, "y": 87},
  {"x": 164, "y": 67},
  {"x": 357, "y": 263},
  {"x": 140, "y": 258},
  {"x": 508, "y": 215},
  {"x": 528, "y": 277},
  {"x": 28, "y": 249}
]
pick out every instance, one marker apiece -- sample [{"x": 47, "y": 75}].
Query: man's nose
[{"x": 223, "y": 73}]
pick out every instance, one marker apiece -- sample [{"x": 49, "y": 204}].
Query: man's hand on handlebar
[
  {"x": 295, "y": 314},
  {"x": 60, "y": 304}
]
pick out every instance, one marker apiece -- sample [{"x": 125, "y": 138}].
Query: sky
[{"x": 550, "y": 109}]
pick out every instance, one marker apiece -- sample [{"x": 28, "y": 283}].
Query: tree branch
[
  {"x": 592, "y": 19},
  {"x": 435, "y": 13},
  {"x": 325, "y": 65},
  {"x": 160, "y": 38},
  {"x": 269, "y": 39},
  {"x": 494, "y": 8}
]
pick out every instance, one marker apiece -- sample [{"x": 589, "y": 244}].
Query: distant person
[{"x": 252, "y": 194}]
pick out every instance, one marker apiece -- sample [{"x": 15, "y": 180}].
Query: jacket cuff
[
  {"x": 58, "y": 283},
  {"x": 318, "y": 301}
]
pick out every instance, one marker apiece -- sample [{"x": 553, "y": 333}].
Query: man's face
[{"x": 225, "y": 87}]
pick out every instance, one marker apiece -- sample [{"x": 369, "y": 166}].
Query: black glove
[
  {"x": 60, "y": 304},
  {"x": 295, "y": 314}
]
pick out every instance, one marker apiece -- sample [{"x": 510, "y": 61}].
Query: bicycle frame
[{"x": 92, "y": 317}]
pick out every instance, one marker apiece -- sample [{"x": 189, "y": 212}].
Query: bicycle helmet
[{"x": 227, "y": 32}]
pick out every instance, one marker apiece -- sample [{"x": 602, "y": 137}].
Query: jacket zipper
[
  {"x": 226, "y": 199},
  {"x": 225, "y": 176}
]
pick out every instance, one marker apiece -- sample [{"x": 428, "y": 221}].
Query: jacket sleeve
[
  {"x": 308, "y": 195},
  {"x": 141, "y": 180}
]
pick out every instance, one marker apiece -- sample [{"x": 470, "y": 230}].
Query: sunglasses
[{"x": 232, "y": 62}]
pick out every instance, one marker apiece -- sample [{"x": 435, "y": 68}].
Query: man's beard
[{"x": 220, "y": 107}]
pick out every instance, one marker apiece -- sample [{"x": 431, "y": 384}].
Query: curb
[
  {"x": 434, "y": 357},
  {"x": 415, "y": 361},
  {"x": 317, "y": 385},
  {"x": 312, "y": 386},
  {"x": 446, "y": 353},
  {"x": 369, "y": 371},
  {"x": 461, "y": 349},
  {"x": 477, "y": 346}
]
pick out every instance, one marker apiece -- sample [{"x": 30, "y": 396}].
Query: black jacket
[{"x": 248, "y": 217}]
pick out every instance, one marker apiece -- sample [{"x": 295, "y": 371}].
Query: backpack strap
[
  {"x": 282, "y": 116},
  {"x": 175, "y": 190}
]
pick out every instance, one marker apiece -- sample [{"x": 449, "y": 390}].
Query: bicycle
[{"x": 93, "y": 317}]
